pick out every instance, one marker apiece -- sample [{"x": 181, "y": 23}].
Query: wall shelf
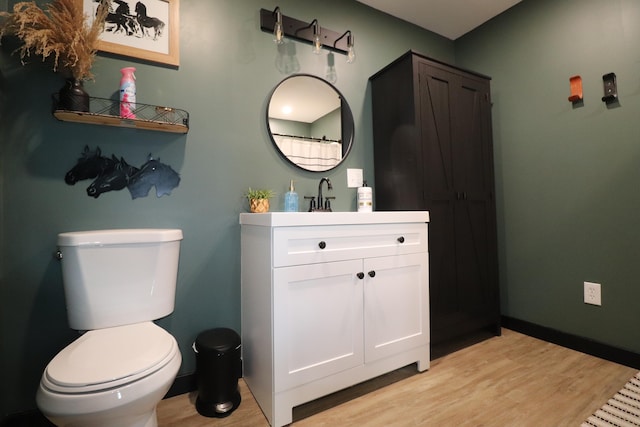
[{"x": 105, "y": 112}]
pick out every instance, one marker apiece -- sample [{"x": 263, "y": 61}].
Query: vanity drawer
[{"x": 309, "y": 245}]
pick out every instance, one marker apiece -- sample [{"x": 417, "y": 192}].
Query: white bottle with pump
[{"x": 365, "y": 198}]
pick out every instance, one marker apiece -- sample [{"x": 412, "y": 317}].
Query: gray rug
[{"x": 622, "y": 410}]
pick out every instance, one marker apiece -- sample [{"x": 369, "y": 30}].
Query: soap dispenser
[
  {"x": 365, "y": 198},
  {"x": 291, "y": 199}
]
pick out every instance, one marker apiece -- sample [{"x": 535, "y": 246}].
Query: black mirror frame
[{"x": 346, "y": 119}]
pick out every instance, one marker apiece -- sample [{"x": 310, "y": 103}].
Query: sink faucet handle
[
  {"x": 312, "y": 202},
  {"x": 327, "y": 202}
]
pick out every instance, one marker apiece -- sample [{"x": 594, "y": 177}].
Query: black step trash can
[{"x": 218, "y": 367}]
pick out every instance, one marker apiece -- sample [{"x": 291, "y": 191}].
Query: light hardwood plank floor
[{"x": 511, "y": 380}]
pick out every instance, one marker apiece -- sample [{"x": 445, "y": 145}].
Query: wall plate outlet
[
  {"x": 592, "y": 293},
  {"x": 354, "y": 178}
]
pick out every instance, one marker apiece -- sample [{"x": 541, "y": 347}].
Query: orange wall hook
[{"x": 576, "y": 88}]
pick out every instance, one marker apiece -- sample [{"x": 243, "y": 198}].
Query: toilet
[{"x": 116, "y": 282}]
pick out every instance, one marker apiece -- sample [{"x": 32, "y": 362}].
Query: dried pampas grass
[{"x": 60, "y": 32}]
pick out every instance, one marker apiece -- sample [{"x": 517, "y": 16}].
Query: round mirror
[{"x": 310, "y": 123}]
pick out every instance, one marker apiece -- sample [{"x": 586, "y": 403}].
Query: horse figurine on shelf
[
  {"x": 147, "y": 22},
  {"x": 116, "y": 178},
  {"x": 153, "y": 173},
  {"x": 89, "y": 166}
]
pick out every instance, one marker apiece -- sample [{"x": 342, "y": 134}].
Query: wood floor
[{"x": 512, "y": 380}]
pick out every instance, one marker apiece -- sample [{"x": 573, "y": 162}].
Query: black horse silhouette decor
[
  {"x": 116, "y": 178},
  {"x": 89, "y": 166},
  {"x": 111, "y": 174},
  {"x": 119, "y": 19}
]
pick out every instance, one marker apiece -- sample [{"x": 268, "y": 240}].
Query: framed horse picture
[{"x": 144, "y": 29}]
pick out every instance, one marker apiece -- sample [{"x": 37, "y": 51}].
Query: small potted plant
[{"x": 259, "y": 199}]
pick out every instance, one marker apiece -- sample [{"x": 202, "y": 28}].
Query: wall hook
[
  {"x": 610, "y": 88},
  {"x": 576, "y": 89}
]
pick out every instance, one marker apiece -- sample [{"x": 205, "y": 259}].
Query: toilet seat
[{"x": 107, "y": 358}]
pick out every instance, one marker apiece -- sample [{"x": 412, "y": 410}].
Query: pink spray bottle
[{"x": 128, "y": 93}]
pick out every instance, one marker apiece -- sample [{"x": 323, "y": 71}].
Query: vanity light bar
[{"x": 303, "y": 31}]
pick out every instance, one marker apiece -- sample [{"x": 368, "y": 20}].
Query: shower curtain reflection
[{"x": 310, "y": 153}]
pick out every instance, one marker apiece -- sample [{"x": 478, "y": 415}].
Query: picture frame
[{"x": 143, "y": 29}]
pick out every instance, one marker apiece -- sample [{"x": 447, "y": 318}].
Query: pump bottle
[
  {"x": 365, "y": 198},
  {"x": 291, "y": 199}
]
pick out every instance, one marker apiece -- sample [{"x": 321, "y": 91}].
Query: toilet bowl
[
  {"x": 110, "y": 377},
  {"x": 116, "y": 283}
]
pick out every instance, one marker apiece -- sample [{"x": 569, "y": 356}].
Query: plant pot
[
  {"x": 259, "y": 205},
  {"x": 73, "y": 97}
]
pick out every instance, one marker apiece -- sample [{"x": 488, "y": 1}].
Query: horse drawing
[
  {"x": 147, "y": 22},
  {"x": 116, "y": 178},
  {"x": 153, "y": 173},
  {"x": 121, "y": 20},
  {"x": 89, "y": 166}
]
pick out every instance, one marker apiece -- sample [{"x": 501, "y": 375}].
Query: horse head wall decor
[
  {"x": 111, "y": 174},
  {"x": 90, "y": 165},
  {"x": 153, "y": 173},
  {"x": 116, "y": 178}
]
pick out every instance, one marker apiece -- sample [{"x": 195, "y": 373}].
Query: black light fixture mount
[{"x": 303, "y": 31}]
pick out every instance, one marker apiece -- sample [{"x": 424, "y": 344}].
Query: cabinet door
[
  {"x": 476, "y": 251},
  {"x": 440, "y": 196},
  {"x": 396, "y": 295},
  {"x": 317, "y": 321}
]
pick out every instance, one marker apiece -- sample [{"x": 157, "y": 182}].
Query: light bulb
[
  {"x": 278, "y": 34},
  {"x": 317, "y": 44},
  {"x": 351, "y": 53}
]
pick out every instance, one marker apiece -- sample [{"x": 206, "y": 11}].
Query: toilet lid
[{"x": 111, "y": 356}]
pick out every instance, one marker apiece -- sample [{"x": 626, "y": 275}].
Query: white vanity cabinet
[{"x": 330, "y": 300}]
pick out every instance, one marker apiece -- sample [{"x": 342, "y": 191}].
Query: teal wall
[
  {"x": 568, "y": 179},
  {"x": 227, "y": 71}
]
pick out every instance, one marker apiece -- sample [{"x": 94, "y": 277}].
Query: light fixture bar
[{"x": 303, "y": 31}]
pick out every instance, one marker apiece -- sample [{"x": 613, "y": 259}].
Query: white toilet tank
[{"x": 119, "y": 277}]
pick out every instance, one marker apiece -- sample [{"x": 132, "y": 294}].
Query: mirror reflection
[{"x": 310, "y": 123}]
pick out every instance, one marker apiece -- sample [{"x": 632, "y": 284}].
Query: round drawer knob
[
  {"x": 360, "y": 275},
  {"x": 401, "y": 239},
  {"x": 322, "y": 245},
  {"x": 372, "y": 273}
]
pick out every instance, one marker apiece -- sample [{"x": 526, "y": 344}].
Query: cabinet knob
[
  {"x": 322, "y": 245},
  {"x": 372, "y": 273},
  {"x": 401, "y": 239},
  {"x": 360, "y": 275}
]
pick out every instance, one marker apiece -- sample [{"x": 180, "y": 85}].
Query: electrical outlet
[
  {"x": 592, "y": 293},
  {"x": 354, "y": 178}
]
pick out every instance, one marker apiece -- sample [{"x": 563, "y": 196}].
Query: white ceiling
[
  {"x": 303, "y": 99},
  {"x": 449, "y": 18}
]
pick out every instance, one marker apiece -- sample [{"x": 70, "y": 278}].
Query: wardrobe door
[
  {"x": 476, "y": 253},
  {"x": 440, "y": 198}
]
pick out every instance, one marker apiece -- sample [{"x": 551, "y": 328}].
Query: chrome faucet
[{"x": 323, "y": 205}]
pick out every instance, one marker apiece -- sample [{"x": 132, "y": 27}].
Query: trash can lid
[{"x": 218, "y": 340}]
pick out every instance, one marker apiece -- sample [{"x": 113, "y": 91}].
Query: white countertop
[{"x": 284, "y": 219}]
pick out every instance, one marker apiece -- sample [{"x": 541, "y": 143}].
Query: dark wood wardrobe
[{"x": 433, "y": 151}]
